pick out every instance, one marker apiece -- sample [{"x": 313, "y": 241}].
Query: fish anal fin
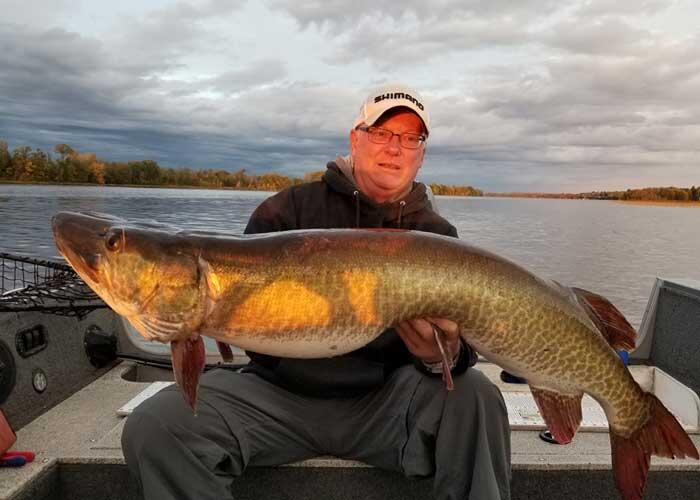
[
  {"x": 610, "y": 321},
  {"x": 662, "y": 435},
  {"x": 561, "y": 412},
  {"x": 188, "y": 358},
  {"x": 225, "y": 351}
]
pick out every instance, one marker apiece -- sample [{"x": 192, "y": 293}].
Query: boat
[{"x": 71, "y": 370}]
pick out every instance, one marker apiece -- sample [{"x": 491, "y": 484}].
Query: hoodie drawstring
[
  {"x": 356, "y": 194},
  {"x": 402, "y": 204}
]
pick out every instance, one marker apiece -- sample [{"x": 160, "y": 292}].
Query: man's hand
[{"x": 418, "y": 336}]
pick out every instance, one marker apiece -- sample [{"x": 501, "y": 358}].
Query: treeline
[
  {"x": 442, "y": 189},
  {"x": 649, "y": 194},
  {"x": 558, "y": 196},
  {"x": 645, "y": 194},
  {"x": 69, "y": 166}
]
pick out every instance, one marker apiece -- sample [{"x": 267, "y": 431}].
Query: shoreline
[
  {"x": 659, "y": 203},
  {"x": 666, "y": 203},
  {"x": 145, "y": 186}
]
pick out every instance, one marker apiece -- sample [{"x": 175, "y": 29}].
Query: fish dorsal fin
[
  {"x": 609, "y": 320},
  {"x": 561, "y": 412}
]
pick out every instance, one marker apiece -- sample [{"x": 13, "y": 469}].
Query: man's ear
[
  {"x": 422, "y": 155},
  {"x": 353, "y": 141}
]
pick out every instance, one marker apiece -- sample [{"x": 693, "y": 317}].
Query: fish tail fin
[
  {"x": 561, "y": 412},
  {"x": 188, "y": 363},
  {"x": 662, "y": 435},
  {"x": 611, "y": 323}
]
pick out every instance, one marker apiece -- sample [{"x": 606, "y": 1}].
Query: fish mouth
[{"x": 80, "y": 239}]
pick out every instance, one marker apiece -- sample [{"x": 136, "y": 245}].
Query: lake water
[{"x": 607, "y": 247}]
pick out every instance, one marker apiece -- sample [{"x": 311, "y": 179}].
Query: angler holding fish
[
  {"x": 382, "y": 403},
  {"x": 315, "y": 309}
]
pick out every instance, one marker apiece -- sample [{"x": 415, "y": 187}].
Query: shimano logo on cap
[{"x": 398, "y": 95}]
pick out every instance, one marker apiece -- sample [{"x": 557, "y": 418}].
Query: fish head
[{"x": 146, "y": 272}]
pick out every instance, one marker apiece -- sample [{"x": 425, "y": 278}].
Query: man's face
[{"x": 385, "y": 172}]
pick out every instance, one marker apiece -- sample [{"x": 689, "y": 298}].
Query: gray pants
[{"x": 411, "y": 425}]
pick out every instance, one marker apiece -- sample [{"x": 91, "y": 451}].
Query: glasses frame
[{"x": 367, "y": 129}]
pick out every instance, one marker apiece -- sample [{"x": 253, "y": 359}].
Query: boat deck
[{"x": 78, "y": 455}]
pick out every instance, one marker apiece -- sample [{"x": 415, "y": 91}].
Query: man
[{"x": 384, "y": 404}]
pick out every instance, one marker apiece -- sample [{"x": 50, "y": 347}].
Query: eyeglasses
[{"x": 407, "y": 140}]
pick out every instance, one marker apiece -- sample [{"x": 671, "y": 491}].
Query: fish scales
[{"x": 423, "y": 282}]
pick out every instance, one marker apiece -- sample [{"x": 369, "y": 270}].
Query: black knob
[
  {"x": 100, "y": 346},
  {"x": 7, "y": 372}
]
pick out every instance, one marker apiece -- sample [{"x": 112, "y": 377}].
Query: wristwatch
[{"x": 436, "y": 367}]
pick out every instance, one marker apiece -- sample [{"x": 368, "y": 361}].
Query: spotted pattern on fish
[
  {"x": 361, "y": 287},
  {"x": 280, "y": 306}
]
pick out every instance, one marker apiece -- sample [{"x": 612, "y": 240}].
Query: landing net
[{"x": 28, "y": 284}]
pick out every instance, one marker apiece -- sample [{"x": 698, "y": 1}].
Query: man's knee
[
  {"x": 474, "y": 389},
  {"x": 164, "y": 429},
  {"x": 149, "y": 423}
]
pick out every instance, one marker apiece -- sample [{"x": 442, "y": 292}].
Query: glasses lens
[
  {"x": 383, "y": 136},
  {"x": 411, "y": 141},
  {"x": 379, "y": 135}
]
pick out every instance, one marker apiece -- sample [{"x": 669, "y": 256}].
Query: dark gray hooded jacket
[{"x": 335, "y": 202}]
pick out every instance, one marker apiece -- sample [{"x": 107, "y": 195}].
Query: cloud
[
  {"x": 59, "y": 85},
  {"x": 260, "y": 73},
  {"x": 340, "y": 15},
  {"x": 391, "y": 37},
  {"x": 600, "y": 8}
]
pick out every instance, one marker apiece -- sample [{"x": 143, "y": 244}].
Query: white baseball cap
[{"x": 384, "y": 98}]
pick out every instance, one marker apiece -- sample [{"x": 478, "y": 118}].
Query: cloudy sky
[{"x": 545, "y": 95}]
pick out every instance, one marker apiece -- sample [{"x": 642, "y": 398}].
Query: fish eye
[{"x": 113, "y": 242}]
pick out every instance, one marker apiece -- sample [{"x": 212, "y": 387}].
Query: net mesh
[{"x": 28, "y": 284}]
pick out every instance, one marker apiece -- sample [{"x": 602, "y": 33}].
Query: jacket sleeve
[{"x": 467, "y": 358}]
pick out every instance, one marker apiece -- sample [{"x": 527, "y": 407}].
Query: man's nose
[{"x": 394, "y": 145}]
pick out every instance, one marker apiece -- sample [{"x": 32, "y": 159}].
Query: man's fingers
[
  {"x": 423, "y": 328},
  {"x": 414, "y": 341},
  {"x": 419, "y": 337},
  {"x": 448, "y": 326},
  {"x": 407, "y": 336}
]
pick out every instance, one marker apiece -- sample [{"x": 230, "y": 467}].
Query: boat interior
[{"x": 69, "y": 380}]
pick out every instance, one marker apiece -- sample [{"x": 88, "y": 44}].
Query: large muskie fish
[{"x": 321, "y": 293}]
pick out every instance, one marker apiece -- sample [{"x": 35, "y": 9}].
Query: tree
[
  {"x": 313, "y": 176},
  {"x": 22, "y": 167},
  {"x": 64, "y": 151},
  {"x": 5, "y": 161}
]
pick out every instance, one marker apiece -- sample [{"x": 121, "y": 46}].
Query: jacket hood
[{"x": 339, "y": 177}]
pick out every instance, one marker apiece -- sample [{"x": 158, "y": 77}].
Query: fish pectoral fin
[
  {"x": 225, "y": 351},
  {"x": 610, "y": 321},
  {"x": 156, "y": 329},
  {"x": 661, "y": 435},
  {"x": 188, "y": 359},
  {"x": 560, "y": 411}
]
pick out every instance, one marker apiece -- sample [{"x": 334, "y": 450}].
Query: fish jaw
[
  {"x": 145, "y": 273},
  {"x": 79, "y": 238}
]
